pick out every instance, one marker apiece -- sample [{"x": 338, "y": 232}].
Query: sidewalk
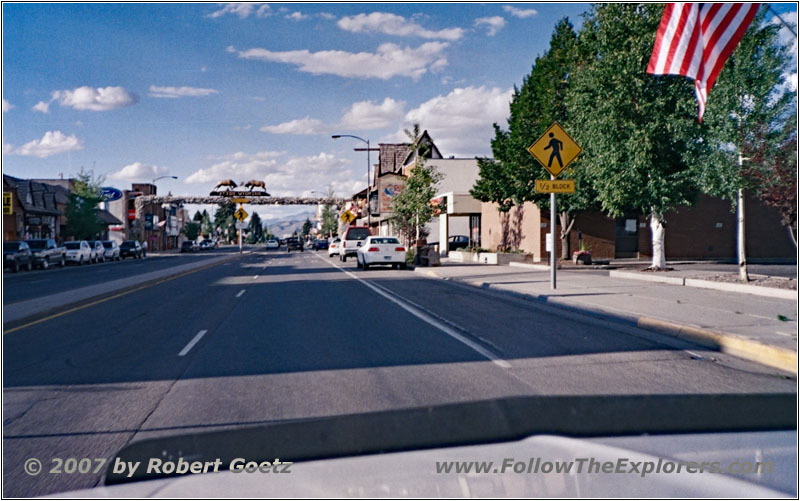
[{"x": 762, "y": 329}]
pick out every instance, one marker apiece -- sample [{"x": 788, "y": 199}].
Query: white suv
[{"x": 352, "y": 240}]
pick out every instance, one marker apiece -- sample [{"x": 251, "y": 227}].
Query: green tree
[
  {"x": 206, "y": 225},
  {"x": 306, "y": 227},
  {"x": 508, "y": 179},
  {"x": 747, "y": 117},
  {"x": 191, "y": 230},
  {"x": 639, "y": 132},
  {"x": 81, "y": 211},
  {"x": 412, "y": 206},
  {"x": 256, "y": 231},
  {"x": 330, "y": 224},
  {"x": 198, "y": 216},
  {"x": 223, "y": 219}
]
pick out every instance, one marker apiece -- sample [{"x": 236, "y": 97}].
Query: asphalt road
[
  {"x": 276, "y": 336},
  {"x": 28, "y": 285}
]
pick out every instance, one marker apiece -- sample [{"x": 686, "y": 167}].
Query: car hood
[{"x": 413, "y": 474}]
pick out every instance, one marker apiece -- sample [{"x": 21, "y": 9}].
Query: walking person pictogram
[{"x": 556, "y": 146}]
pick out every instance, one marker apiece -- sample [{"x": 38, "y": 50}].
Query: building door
[
  {"x": 475, "y": 230},
  {"x": 627, "y": 237}
]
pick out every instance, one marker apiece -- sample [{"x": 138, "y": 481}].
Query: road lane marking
[
  {"x": 193, "y": 342},
  {"x": 406, "y": 305},
  {"x": 255, "y": 277},
  {"x": 240, "y": 293}
]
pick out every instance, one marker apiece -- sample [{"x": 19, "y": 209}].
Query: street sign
[
  {"x": 240, "y": 214},
  {"x": 555, "y": 150},
  {"x": 555, "y": 186},
  {"x": 8, "y": 202},
  {"x": 241, "y": 200},
  {"x": 348, "y": 217},
  {"x": 110, "y": 194},
  {"x": 241, "y": 225}
]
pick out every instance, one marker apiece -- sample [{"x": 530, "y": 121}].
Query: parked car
[
  {"x": 131, "y": 248},
  {"x": 78, "y": 252},
  {"x": 333, "y": 247},
  {"x": 294, "y": 243},
  {"x": 206, "y": 245},
  {"x": 111, "y": 250},
  {"x": 45, "y": 252},
  {"x": 457, "y": 242},
  {"x": 272, "y": 244},
  {"x": 98, "y": 251},
  {"x": 17, "y": 255},
  {"x": 188, "y": 246},
  {"x": 319, "y": 245},
  {"x": 381, "y": 251},
  {"x": 353, "y": 238}
]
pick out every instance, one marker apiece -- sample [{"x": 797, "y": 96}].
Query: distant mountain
[{"x": 288, "y": 225}]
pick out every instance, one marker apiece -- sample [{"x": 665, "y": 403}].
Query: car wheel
[
  {"x": 46, "y": 263},
  {"x": 343, "y": 257},
  {"x": 63, "y": 262},
  {"x": 403, "y": 266},
  {"x": 365, "y": 266}
]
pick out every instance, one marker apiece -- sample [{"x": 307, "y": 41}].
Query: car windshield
[
  {"x": 557, "y": 231},
  {"x": 357, "y": 233},
  {"x": 11, "y": 246},
  {"x": 37, "y": 244}
]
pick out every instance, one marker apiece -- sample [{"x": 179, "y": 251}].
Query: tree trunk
[
  {"x": 566, "y": 222},
  {"x": 792, "y": 235},
  {"x": 504, "y": 231},
  {"x": 740, "y": 241},
  {"x": 657, "y": 232}
]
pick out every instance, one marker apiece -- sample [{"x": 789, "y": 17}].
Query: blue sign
[{"x": 110, "y": 194}]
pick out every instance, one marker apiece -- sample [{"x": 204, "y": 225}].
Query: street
[{"x": 276, "y": 336}]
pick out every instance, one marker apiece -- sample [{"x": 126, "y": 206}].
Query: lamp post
[
  {"x": 369, "y": 211},
  {"x": 153, "y": 182}
]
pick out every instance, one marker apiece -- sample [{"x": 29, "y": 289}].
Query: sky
[{"x": 212, "y": 91}]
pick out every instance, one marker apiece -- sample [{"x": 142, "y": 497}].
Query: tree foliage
[
  {"x": 224, "y": 220},
  {"x": 81, "y": 211},
  {"x": 330, "y": 225},
  {"x": 255, "y": 229}
]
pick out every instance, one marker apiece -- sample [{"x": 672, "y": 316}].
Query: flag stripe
[{"x": 695, "y": 40}]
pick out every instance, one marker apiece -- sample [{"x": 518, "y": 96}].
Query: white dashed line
[
  {"x": 240, "y": 293},
  {"x": 193, "y": 342}
]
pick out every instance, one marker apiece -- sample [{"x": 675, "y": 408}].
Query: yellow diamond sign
[
  {"x": 240, "y": 214},
  {"x": 555, "y": 149},
  {"x": 348, "y": 217}
]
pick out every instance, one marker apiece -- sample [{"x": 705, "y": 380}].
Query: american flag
[{"x": 695, "y": 40}]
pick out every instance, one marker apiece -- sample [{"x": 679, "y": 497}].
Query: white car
[
  {"x": 98, "y": 251},
  {"x": 381, "y": 251},
  {"x": 272, "y": 244},
  {"x": 78, "y": 252},
  {"x": 333, "y": 247},
  {"x": 111, "y": 250}
]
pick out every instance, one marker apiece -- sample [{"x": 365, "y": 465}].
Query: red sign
[{"x": 131, "y": 214}]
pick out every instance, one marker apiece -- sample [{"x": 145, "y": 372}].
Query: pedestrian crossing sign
[
  {"x": 555, "y": 150},
  {"x": 348, "y": 217},
  {"x": 240, "y": 214}
]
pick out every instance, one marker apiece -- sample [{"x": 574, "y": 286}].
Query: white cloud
[
  {"x": 789, "y": 40},
  {"x": 175, "y": 92},
  {"x": 460, "y": 123},
  {"x": 52, "y": 143},
  {"x": 42, "y": 107},
  {"x": 295, "y": 176},
  {"x": 8, "y": 148},
  {"x": 88, "y": 98},
  {"x": 239, "y": 166},
  {"x": 7, "y": 106},
  {"x": 243, "y": 10},
  {"x": 520, "y": 13},
  {"x": 366, "y": 115},
  {"x": 493, "y": 24},
  {"x": 305, "y": 126},
  {"x": 389, "y": 61},
  {"x": 138, "y": 171},
  {"x": 392, "y": 24},
  {"x": 297, "y": 16},
  {"x": 327, "y": 15}
]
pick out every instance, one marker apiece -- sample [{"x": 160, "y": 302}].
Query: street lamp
[{"x": 369, "y": 211}]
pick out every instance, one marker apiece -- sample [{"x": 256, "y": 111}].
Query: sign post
[
  {"x": 562, "y": 149},
  {"x": 241, "y": 215}
]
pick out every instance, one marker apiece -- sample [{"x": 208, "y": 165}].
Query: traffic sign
[
  {"x": 555, "y": 150},
  {"x": 348, "y": 217},
  {"x": 555, "y": 186},
  {"x": 241, "y": 200},
  {"x": 241, "y": 225},
  {"x": 240, "y": 214},
  {"x": 8, "y": 202}
]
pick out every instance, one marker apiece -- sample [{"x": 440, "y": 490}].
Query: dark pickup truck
[
  {"x": 294, "y": 243},
  {"x": 45, "y": 252}
]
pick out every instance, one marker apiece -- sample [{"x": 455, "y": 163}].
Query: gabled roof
[
  {"x": 36, "y": 198},
  {"x": 425, "y": 141}
]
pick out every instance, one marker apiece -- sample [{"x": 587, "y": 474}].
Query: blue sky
[{"x": 212, "y": 91}]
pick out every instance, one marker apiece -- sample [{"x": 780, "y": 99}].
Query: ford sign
[{"x": 110, "y": 194}]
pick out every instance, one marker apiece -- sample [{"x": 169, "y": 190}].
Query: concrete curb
[
  {"x": 33, "y": 309},
  {"x": 530, "y": 266},
  {"x": 756, "y": 351},
  {"x": 708, "y": 284}
]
